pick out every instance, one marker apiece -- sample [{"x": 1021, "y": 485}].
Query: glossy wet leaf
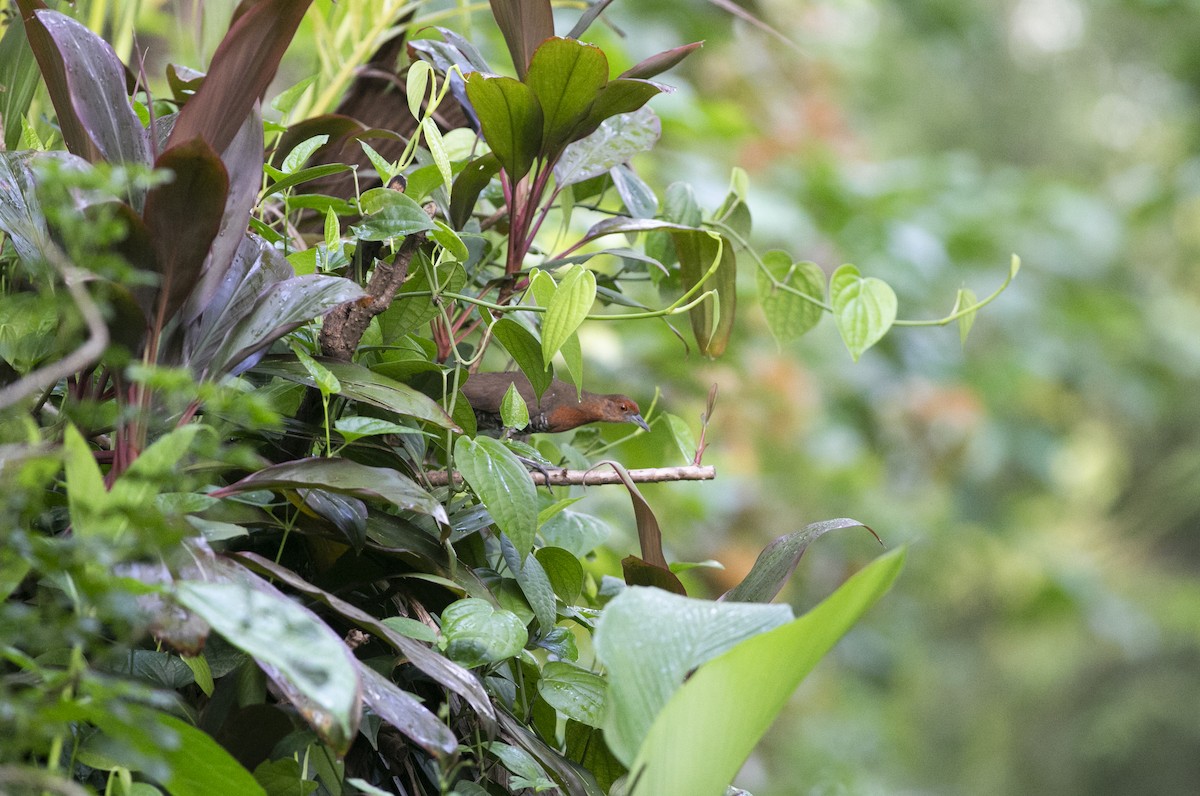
[
  {"x": 258, "y": 619},
  {"x": 510, "y": 118},
  {"x": 343, "y": 475},
  {"x": 743, "y": 690},
  {"x": 864, "y": 308},
  {"x": 478, "y": 633},
  {"x": 789, "y": 316},
  {"x": 390, "y": 214},
  {"x": 576, "y": 693},
  {"x": 615, "y": 141},
  {"x": 645, "y": 669}
]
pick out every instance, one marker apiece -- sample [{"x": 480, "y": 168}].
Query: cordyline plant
[{"x": 229, "y": 566}]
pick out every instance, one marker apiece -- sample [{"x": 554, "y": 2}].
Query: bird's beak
[{"x": 638, "y": 419}]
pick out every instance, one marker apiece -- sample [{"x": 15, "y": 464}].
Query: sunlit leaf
[
  {"x": 744, "y": 690},
  {"x": 569, "y": 306},
  {"x": 565, "y": 75},
  {"x": 644, "y": 669}
]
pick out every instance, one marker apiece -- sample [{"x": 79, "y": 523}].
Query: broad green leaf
[
  {"x": 778, "y": 560},
  {"x": 578, "y": 534},
  {"x": 649, "y": 640},
  {"x": 358, "y": 426},
  {"x": 615, "y": 141},
  {"x": 302, "y": 152},
  {"x": 326, "y": 382},
  {"x": 478, "y": 633},
  {"x": 286, "y": 100},
  {"x": 201, "y": 672},
  {"x": 567, "y": 308},
  {"x": 155, "y": 468},
  {"x": 744, "y": 690},
  {"x": 510, "y": 119},
  {"x": 344, "y": 476},
  {"x": 390, "y": 214},
  {"x": 622, "y": 95},
  {"x": 449, "y": 240},
  {"x": 564, "y": 571},
  {"x": 470, "y": 182},
  {"x": 382, "y": 167},
  {"x": 519, "y": 762},
  {"x": 864, "y": 308},
  {"x": 408, "y": 312},
  {"x": 361, "y": 384},
  {"x": 513, "y": 411},
  {"x": 565, "y": 75},
  {"x": 283, "y": 777},
  {"x": 534, "y": 583},
  {"x": 199, "y": 765},
  {"x": 524, "y": 347},
  {"x": 258, "y": 619},
  {"x": 576, "y": 693},
  {"x": 788, "y": 315},
  {"x": 503, "y": 486}
]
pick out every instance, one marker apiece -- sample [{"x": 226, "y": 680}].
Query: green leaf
[
  {"x": 364, "y": 385},
  {"x": 744, "y": 690},
  {"x": 87, "y": 498},
  {"x": 405, "y": 712},
  {"x": 283, "y": 778},
  {"x": 524, "y": 24},
  {"x": 478, "y": 633},
  {"x": 382, "y": 167},
  {"x": 411, "y": 628},
  {"x": 622, "y": 95},
  {"x": 344, "y": 476},
  {"x": 564, "y": 571},
  {"x": 778, "y": 560},
  {"x": 326, "y": 382},
  {"x": 565, "y": 75},
  {"x": 449, "y": 240},
  {"x": 286, "y": 100},
  {"x": 302, "y": 152},
  {"x": 503, "y": 486},
  {"x": 390, "y": 214},
  {"x": 789, "y": 316},
  {"x": 524, "y": 347},
  {"x": 864, "y": 309},
  {"x": 19, "y": 76},
  {"x": 513, "y": 411},
  {"x": 614, "y": 142},
  {"x": 416, "y": 84},
  {"x": 510, "y": 119},
  {"x": 636, "y": 195},
  {"x": 661, "y": 62},
  {"x": 437, "y": 150},
  {"x": 681, "y": 432},
  {"x": 965, "y": 298},
  {"x": 258, "y": 619},
  {"x": 649, "y": 640},
  {"x": 470, "y": 182},
  {"x": 578, "y": 534},
  {"x": 201, "y": 672},
  {"x": 709, "y": 261},
  {"x": 574, "y": 692},
  {"x": 566, "y": 310}
]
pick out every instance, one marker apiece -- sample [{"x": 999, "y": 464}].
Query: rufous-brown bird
[{"x": 560, "y": 408}]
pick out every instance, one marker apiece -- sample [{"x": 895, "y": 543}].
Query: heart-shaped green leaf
[
  {"x": 864, "y": 308},
  {"x": 477, "y": 632},
  {"x": 789, "y": 315}
]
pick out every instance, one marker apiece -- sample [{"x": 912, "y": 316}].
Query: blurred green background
[{"x": 1045, "y": 637}]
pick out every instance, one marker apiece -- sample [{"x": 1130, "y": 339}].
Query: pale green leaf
[
  {"x": 302, "y": 152},
  {"x": 789, "y": 316},
  {"x": 503, "y": 486},
  {"x": 513, "y": 411},
  {"x": 566, "y": 310},
  {"x": 416, "y": 84},
  {"x": 965, "y": 298},
  {"x": 744, "y": 690},
  {"x": 864, "y": 308},
  {"x": 576, "y": 693}
]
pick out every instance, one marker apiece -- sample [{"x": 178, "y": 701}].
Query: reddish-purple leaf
[
  {"x": 183, "y": 217},
  {"x": 242, "y": 67},
  {"x": 657, "y": 64},
  {"x": 524, "y": 24}
]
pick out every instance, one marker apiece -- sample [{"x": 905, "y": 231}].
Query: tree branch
[{"x": 595, "y": 477}]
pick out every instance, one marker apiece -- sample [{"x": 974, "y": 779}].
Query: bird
[{"x": 561, "y": 408}]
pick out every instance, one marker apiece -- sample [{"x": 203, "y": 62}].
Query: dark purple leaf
[
  {"x": 404, "y": 712},
  {"x": 657, "y": 64},
  {"x": 182, "y": 217},
  {"x": 525, "y": 24},
  {"x": 243, "y": 65},
  {"x": 638, "y": 573}
]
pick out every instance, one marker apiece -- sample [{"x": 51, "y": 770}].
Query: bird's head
[{"x": 622, "y": 409}]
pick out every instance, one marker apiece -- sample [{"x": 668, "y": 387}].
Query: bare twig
[
  {"x": 81, "y": 357},
  {"x": 648, "y": 475}
]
